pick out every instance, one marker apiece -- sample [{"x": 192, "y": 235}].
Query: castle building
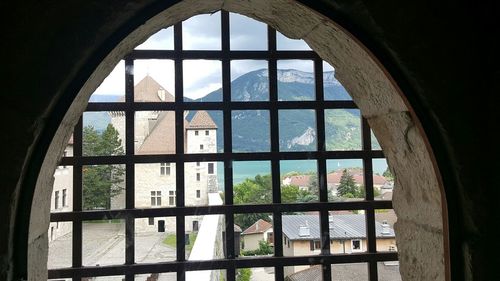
[
  {"x": 62, "y": 196},
  {"x": 155, "y": 183}
]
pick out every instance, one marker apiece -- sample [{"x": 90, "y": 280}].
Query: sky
[{"x": 201, "y": 77}]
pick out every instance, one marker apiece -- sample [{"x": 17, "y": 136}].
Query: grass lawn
[{"x": 171, "y": 241}]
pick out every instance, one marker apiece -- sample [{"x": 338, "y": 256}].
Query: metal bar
[
  {"x": 129, "y": 167},
  {"x": 372, "y": 271},
  {"x": 275, "y": 163},
  {"x": 214, "y": 55},
  {"x": 211, "y": 210},
  {"x": 322, "y": 173},
  {"x": 179, "y": 148},
  {"x": 77, "y": 195},
  {"x": 205, "y": 157},
  {"x": 228, "y": 169},
  {"x": 174, "y": 266},
  {"x": 235, "y": 105}
]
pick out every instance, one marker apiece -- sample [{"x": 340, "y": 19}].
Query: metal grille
[{"x": 230, "y": 263}]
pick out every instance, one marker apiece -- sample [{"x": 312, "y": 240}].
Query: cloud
[
  {"x": 162, "y": 71},
  {"x": 162, "y": 40},
  {"x": 285, "y": 43},
  {"x": 240, "y": 67},
  {"x": 114, "y": 84},
  {"x": 203, "y": 32},
  {"x": 201, "y": 77},
  {"x": 247, "y": 33}
]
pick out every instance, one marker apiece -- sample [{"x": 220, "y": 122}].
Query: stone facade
[
  {"x": 62, "y": 197},
  {"x": 155, "y": 183},
  {"x": 303, "y": 248}
]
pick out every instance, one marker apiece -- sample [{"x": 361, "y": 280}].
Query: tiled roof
[
  {"x": 300, "y": 180},
  {"x": 341, "y": 227},
  {"x": 201, "y": 120},
  {"x": 161, "y": 139},
  {"x": 259, "y": 226},
  {"x": 357, "y": 175},
  {"x": 147, "y": 91}
]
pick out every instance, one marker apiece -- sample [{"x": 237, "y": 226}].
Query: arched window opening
[
  {"x": 128, "y": 214},
  {"x": 283, "y": 144},
  {"x": 286, "y": 176}
]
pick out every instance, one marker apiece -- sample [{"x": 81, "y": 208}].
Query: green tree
[
  {"x": 101, "y": 182},
  {"x": 347, "y": 187},
  {"x": 290, "y": 193},
  {"x": 91, "y": 140},
  {"x": 388, "y": 175},
  {"x": 256, "y": 191},
  {"x": 313, "y": 185},
  {"x": 110, "y": 143},
  {"x": 243, "y": 274}
]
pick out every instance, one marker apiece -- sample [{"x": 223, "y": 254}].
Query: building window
[
  {"x": 314, "y": 245},
  {"x": 356, "y": 245},
  {"x": 171, "y": 197},
  {"x": 165, "y": 169},
  {"x": 56, "y": 200},
  {"x": 276, "y": 150},
  {"x": 64, "y": 198},
  {"x": 155, "y": 198}
]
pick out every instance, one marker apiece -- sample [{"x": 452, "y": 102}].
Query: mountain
[{"x": 297, "y": 128}]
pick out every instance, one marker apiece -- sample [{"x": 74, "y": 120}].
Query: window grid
[{"x": 230, "y": 263}]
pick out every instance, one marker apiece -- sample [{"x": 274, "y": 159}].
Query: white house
[{"x": 261, "y": 230}]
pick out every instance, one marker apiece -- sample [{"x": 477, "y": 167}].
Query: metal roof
[{"x": 341, "y": 227}]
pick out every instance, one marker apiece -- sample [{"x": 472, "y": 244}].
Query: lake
[{"x": 249, "y": 169}]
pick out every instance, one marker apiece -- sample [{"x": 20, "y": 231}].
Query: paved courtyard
[
  {"x": 262, "y": 274},
  {"x": 104, "y": 244}
]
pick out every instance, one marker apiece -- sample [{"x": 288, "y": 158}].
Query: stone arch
[{"x": 418, "y": 197}]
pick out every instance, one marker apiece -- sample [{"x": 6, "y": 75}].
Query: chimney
[
  {"x": 304, "y": 230},
  {"x": 385, "y": 228},
  {"x": 161, "y": 94}
]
